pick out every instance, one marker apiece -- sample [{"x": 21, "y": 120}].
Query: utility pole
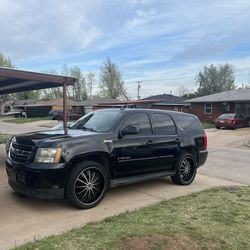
[{"x": 138, "y": 89}]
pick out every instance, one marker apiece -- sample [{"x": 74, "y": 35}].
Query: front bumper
[
  {"x": 225, "y": 125},
  {"x": 202, "y": 157},
  {"x": 38, "y": 180}
]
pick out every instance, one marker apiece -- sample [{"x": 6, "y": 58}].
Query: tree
[
  {"x": 182, "y": 90},
  {"x": 111, "y": 84},
  {"x": 190, "y": 95},
  {"x": 28, "y": 95},
  {"x": 90, "y": 83},
  {"x": 5, "y": 62},
  {"x": 52, "y": 93},
  {"x": 77, "y": 92},
  {"x": 215, "y": 79}
]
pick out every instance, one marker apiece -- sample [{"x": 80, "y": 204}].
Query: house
[
  {"x": 209, "y": 107},
  {"x": 165, "y": 102},
  {"x": 126, "y": 104},
  {"x": 37, "y": 108},
  {"x": 169, "y": 102},
  {"x": 89, "y": 105}
]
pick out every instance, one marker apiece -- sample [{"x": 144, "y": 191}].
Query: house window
[
  {"x": 225, "y": 107},
  {"x": 208, "y": 108}
]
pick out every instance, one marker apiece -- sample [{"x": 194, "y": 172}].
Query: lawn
[
  {"x": 214, "y": 219},
  {"x": 208, "y": 125},
  {"x": 25, "y": 120},
  {"x": 4, "y": 138}
]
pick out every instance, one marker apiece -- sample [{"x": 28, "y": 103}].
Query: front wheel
[
  {"x": 87, "y": 184},
  {"x": 185, "y": 169}
]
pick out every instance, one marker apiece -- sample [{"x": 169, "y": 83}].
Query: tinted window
[
  {"x": 140, "y": 120},
  {"x": 101, "y": 121},
  {"x": 163, "y": 124},
  {"x": 188, "y": 122}
]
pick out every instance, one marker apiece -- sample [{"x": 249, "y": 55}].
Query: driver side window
[{"x": 140, "y": 120}]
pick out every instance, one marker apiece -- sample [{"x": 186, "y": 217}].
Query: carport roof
[{"x": 13, "y": 81}]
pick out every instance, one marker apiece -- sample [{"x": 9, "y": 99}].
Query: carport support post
[{"x": 65, "y": 107}]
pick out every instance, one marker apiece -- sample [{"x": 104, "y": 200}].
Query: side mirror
[{"x": 130, "y": 130}]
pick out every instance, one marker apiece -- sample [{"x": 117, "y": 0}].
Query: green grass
[
  {"x": 214, "y": 219},
  {"x": 25, "y": 120},
  {"x": 208, "y": 125},
  {"x": 4, "y": 138}
]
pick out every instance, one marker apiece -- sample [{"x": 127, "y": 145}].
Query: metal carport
[{"x": 14, "y": 81}]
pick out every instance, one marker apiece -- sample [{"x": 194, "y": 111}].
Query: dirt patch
[{"x": 158, "y": 242}]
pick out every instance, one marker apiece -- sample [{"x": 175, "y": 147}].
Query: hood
[{"x": 50, "y": 136}]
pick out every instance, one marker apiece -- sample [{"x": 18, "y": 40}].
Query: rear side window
[
  {"x": 140, "y": 120},
  {"x": 163, "y": 124},
  {"x": 188, "y": 122}
]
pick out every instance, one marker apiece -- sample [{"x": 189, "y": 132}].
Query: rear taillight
[{"x": 205, "y": 142}]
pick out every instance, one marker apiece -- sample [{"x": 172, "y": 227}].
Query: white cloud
[{"x": 148, "y": 39}]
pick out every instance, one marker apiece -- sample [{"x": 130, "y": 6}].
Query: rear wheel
[
  {"x": 218, "y": 127},
  {"x": 87, "y": 184},
  {"x": 185, "y": 169}
]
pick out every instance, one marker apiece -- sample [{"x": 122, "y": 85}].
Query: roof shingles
[{"x": 227, "y": 96}]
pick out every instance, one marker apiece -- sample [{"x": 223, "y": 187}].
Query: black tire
[
  {"x": 185, "y": 169},
  {"x": 217, "y": 127},
  {"x": 87, "y": 184}
]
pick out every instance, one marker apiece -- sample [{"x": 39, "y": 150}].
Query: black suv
[{"x": 103, "y": 149}]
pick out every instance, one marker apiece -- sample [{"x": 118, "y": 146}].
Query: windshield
[
  {"x": 101, "y": 121},
  {"x": 227, "y": 116}
]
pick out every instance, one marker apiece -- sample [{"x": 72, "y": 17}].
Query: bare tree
[
  {"x": 78, "y": 92},
  {"x": 90, "y": 83},
  {"x": 111, "y": 84}
]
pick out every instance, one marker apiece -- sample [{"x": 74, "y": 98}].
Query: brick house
[
  {"x": 165, "y": 102},
  {"x": 169, "y": 102},
  {"x": 209, "y": 107}
]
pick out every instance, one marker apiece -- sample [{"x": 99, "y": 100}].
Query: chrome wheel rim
[
  {"x": 89, "y": 185},
  {"x": 187, "y": 170}
]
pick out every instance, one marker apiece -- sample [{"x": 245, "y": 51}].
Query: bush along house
[{"x": 209, "y": 107}]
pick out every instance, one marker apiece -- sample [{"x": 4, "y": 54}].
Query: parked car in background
[
  {"x": 103, "y": 149},
  {"x": 58, "y": 115},
  {"x": 231, "y": 121},
  {"x": 15, "y": 113}
]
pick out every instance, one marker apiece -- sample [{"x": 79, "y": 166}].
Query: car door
[
  {"x": 242, "y": 121},
  {"x": 133, "y": 154},
  {"x": 166, "y": 142}
]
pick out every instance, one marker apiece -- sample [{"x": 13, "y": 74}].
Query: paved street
[{"x": 23, "y": 219}]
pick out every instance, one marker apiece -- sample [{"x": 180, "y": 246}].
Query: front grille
[{"x": 20, "y": 153}]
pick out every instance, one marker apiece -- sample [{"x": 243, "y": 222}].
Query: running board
[{"x": 140, "y": 178}]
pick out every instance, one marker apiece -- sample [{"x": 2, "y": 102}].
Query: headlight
[
  {"x": 7, "y": 144},
  {"x": 48, "y": 155}
]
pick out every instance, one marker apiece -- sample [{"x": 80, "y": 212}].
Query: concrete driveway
[
  {"x": 229, "y": 155},
  {"x": 11, "y": 128},
  {"x": 23, "y": 219}
]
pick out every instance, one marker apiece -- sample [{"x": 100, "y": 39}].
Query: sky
[{"x": 163, "y": 43}]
